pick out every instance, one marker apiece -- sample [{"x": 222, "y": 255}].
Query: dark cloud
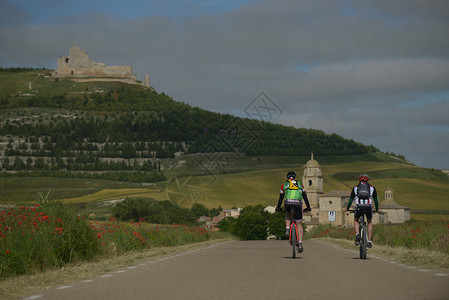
[
  {"x": 11, "y": 15},
  {"x": 373, "y": 71}
]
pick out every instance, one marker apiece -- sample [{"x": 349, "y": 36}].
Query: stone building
[
  {"x": 395, "y": 212},
  {"x": 329, "y": 208},
  {"x": 78, "y": 66},
  {"x": 312, "y": 180}
]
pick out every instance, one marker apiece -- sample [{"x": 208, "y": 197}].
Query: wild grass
[
  {"x": 418, "y": 257},
  {"x": 425, "y": 235},
  {"x": 38, "y": 82},
  {"x": 51, "y": 235}
]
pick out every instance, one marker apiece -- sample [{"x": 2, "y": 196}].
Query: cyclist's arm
[
  {"x": 376, "y": 200},
  {"x": 349, "y": 203},
  {"x": 351, "y": 199},
  {"x": 306, "y": 200},
  {"x": 281, "y": 197}
]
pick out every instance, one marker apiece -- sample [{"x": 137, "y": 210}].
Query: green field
[{"x": 417, "y": 188}]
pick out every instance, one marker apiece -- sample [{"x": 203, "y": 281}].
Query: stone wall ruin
[{"x": 78, "y": 65}]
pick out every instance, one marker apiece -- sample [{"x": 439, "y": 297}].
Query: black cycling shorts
[
  {"x": 297, "y": 204},
  {"x": 364, "y": 210}
]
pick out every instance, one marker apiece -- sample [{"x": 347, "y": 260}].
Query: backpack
[
  {"x": 363, "y": 191},
  {"x": 293, "y": 185}
]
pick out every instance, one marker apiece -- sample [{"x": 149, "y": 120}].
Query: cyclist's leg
[
  {"x": 370, "y": 229},
  {"x": 300, "y": 231},
  {"x": 298, "y": 217},
  {"x": 287, "y": 219},
  {"x": 357, "y": 215},
  {"x": 369, "y": 222}
]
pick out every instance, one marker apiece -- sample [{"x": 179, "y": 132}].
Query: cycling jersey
[
  {"x": 292, "y": 189},
  {"x": 294, "y": 195},
  {"x": 369, "y": 201}
]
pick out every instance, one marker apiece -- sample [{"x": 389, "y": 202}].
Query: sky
[{"x": 376, "y": 72}]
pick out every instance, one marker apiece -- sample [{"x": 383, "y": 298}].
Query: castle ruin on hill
[{"x": 79, "y": 67}]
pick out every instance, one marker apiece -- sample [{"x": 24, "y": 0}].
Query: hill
[
  {"x": 109, "y": 140},
  {"x": 60, "y": 125}
]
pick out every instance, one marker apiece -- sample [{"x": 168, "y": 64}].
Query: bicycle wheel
[
  {"x": 293, "y": 238},
  {"x": 363, "y": 242}
]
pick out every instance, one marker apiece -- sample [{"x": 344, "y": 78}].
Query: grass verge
[{"x": 419, "y": 257}]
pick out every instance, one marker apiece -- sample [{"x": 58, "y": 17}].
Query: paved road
[{"x": 261, "y": 270}]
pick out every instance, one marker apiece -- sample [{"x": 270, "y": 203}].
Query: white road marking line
[
  {"x": 34, "y": 297},
  {"x": 107, "y": 275},
  {"x": 64, "y": 287},
  {"x": 120, "y": 271},
  {"x": 440, "y": 274},
  {"x": 87, "y": 280}
]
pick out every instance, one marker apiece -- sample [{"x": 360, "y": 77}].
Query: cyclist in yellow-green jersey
[{"x": 293, "y": 193}]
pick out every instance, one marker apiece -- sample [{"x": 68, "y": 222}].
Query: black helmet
[{"x": 291, "y": 174}]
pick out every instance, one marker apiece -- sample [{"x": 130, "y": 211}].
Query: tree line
[
  {"x": 253, "y": 223},
  {"x": 137, "y": 115},
  {"x": 161, "y": 212}
]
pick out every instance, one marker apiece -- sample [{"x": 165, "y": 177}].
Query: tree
[
  {"x": 226, "y": 224},
  {"x": 215, "y": 211},
  {"x": 133, "y": 209},
  {"x": 163, "y": 212},
  {"x": 199, "y": 210},
  {"x": 5, "y": 163},
  {"x": 277, "y": 224},
  {"x": 250, "y": 225}
]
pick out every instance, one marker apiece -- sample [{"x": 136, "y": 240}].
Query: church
[{"x": 329, "y": 208}]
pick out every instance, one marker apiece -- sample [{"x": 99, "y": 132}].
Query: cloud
[
  {"x": 373, "y": 71},
  {"x": 11, "y": 15}
]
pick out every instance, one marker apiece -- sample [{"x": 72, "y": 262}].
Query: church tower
[
  {"x": 312, "y": 180},
  {"x": 388, "y": 193}
]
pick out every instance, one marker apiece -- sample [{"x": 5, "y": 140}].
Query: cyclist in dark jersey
[
  {"x": 364, "y": 195},
  {"x": 292, "y": 192}
]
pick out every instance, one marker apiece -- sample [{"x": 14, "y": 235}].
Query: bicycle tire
[
  {"x": 293, "y": 230},
  {"x": 364, "y": 240}
]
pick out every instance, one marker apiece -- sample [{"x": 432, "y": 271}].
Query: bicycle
[
  {"x": 293, "y": 236},
  {"x": 363, "y": 244}
]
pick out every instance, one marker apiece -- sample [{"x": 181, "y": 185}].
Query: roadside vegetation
[
  {"x": 416, "y": 242},
  {"x": 51, "y": 235}
]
